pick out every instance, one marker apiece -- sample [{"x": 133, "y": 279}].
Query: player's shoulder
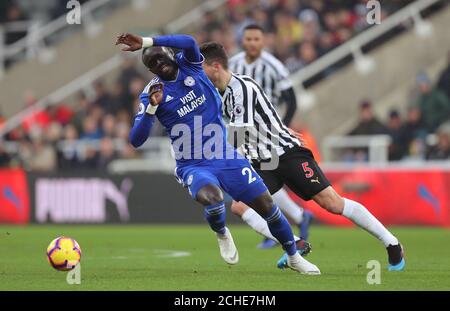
[
  {"x": 243, "y": 83},
  {"x": 269, "y": 57},
  {"x": 237, "y": 57},
  {"x": 237, "y": 81},
  {"x": 245, "y": 80},
  {"x": 152, "y": 82}
]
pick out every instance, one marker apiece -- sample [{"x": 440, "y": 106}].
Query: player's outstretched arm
[
  {"x": 184, "y": 42},
  {"x": 290, "y": 99},
  {"x": 145, "y": 118}
]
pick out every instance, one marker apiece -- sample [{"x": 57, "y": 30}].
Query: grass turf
[{"x": 154, "y": 258}]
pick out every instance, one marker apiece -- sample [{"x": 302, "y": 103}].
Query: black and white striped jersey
[
  {"x": 247, "y": 107},
  {"x": 266, "y": 70}
]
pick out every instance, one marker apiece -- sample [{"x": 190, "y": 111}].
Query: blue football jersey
[{"x": 191, "y": 108}]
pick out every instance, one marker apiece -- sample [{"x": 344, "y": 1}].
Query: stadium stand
[{"x": 92, "y": 130}]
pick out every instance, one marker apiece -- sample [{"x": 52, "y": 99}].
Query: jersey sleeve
[
  {"x": 242, "y": 107},
  {"x": 184, "y": 63},
  {"x": 283, "y": 80},
  {"x": 143, "y": 122}
]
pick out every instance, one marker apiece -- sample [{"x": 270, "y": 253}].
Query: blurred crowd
[
  {"x": 298, "y": 31},
  {"x": 421, "y": 132},
  {"x": 25, "y": 10},
  {"x": 94, "y": 131},
  {"x": 90, "y": 135}
]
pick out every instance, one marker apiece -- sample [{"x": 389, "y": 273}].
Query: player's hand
[
  {"x": 133, "y": 42},
  {"x": 155, "y": 94}
]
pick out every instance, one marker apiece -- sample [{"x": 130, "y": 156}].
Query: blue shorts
[{"x": 234, "y": 176}]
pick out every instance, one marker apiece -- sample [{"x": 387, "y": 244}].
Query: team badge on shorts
[
  {"x": 189, "y": 81},
  {"x": 189, "y": 180}
]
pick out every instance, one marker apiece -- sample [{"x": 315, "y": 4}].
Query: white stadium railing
[
  {"x": 33, "y": 44},
  {"x": 377, "y": 146}
]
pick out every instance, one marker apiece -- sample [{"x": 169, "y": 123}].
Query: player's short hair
[
  {"x": 214, "y": 52},
  {"x": 254, "y": 27}
]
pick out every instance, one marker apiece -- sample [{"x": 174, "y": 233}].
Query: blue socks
[
  {"x": 281, "y": 229},
  {"x": 215, "y": 215}
]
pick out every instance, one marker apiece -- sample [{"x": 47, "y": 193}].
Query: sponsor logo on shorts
[{"x": 315, "y": 180}]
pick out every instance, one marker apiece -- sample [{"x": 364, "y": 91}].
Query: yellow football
[{"x": 63, "y": 253}]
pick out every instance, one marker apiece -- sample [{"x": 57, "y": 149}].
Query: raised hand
[{"x": 133, "y": 42}]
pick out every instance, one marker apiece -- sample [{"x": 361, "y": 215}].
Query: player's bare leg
[
  {"x": 211, "y": 197},
  {"x": 281, "y": 230},
  {"x": 301, "y": 218},
  {"x": 359, "y": 215}
]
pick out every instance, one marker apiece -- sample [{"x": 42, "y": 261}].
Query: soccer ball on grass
[{"x": 63, "y": 253}]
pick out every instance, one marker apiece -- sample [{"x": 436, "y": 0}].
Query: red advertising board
[
  {"x": 394, "y": 196},
  {"x": 14, "y": 199}
]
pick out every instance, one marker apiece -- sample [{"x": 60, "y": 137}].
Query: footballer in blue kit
[{"x": 187, "y": 104}]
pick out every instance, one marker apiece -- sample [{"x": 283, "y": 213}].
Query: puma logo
[{"x": 316, "y": 180}]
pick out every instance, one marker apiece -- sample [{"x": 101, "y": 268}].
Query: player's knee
[
  {"x": 263, "y": 204},
  {"x": 209, "y": 195},
  {"x": 238, "y": 208}
]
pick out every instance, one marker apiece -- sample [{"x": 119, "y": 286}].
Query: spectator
[
  {"x": 43, "y": 156},
  {"x": 102, "y": 97},
  {"x": 90, "y": 158},
  {"x": 14, "y": 14},
  {"x": 444, "y": 79},
  {"x": 68, "y": 154},
  {"x": 108, "y": 125},
  {"x": 82, "y": 109},
  {"x": 37, "y": 119},
  {"x": 5, "y": 158},
  {"x": 2, "y": 120},
  {"x": 413, "y": 129},
  {"x": 107, "y": 153},
  {"x": 60, "y": 113},
  {"x": 368, "y": 123},
  {"x": 394, "y": 127},
  {"x": 91, "y": 129},
  {"x": 441, "y": 151},
  {"x": 433, "y": 103}
]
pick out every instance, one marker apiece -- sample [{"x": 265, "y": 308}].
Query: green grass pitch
[{"x": 184, "y": 257}]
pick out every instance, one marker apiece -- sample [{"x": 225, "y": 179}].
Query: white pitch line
[{"x": 165, "y": 253}]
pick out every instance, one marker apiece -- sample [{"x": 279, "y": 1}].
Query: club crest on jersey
[
  {"x": 168, "y": 98},
  {"x": 189, "y": 81},
  {"x": 189, "y": 180},
  {"x": 141, "y": 108},
  {"x": 238, "y": 110}
]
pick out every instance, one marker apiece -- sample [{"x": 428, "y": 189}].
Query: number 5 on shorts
[{"x": 308, "y": 171}]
